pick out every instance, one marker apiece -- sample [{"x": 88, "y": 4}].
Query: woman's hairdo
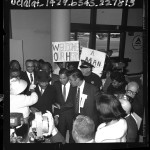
[{"x": 109, "y": 108}]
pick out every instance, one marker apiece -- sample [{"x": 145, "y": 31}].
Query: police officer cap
[{"x": 86, "y": 64}]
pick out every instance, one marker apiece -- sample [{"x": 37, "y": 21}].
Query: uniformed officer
[{"x": 89, "y": 76}]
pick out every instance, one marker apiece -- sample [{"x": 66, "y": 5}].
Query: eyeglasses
[{"x": 131, "y": 92}]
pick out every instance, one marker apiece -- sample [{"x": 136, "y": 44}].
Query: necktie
[
  {"x": 64, "y": 92},
  {"x": 77, "y": 101},
  {"x": 31, "y": 77}
]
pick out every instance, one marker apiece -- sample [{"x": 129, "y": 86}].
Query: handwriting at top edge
[{"x": 72, "y": 3}]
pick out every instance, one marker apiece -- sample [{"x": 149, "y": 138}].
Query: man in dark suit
[
  {"x": 65, "y": 99},
  {"x": 87, "y": 97},
  {"x": 28, "y": 75},
  {"x": 46, "y": 93}
]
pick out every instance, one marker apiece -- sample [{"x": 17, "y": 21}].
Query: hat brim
[
  {"x": 18, "y": 87},
  {"x": 44, "y": 80},
  {"x": 84, "y": 66}
]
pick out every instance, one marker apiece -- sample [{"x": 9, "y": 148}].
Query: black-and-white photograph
[{"x": 76, "y": 73}]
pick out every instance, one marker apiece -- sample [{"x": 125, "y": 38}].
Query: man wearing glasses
[{"x": 132, "y": 90}]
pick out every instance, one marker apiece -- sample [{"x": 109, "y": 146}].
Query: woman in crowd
[
  {"x": 118, "y": 83},
  {"x": 114, "y": 126}
]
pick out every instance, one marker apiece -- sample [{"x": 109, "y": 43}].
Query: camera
[{"x": 16, "y": 119}]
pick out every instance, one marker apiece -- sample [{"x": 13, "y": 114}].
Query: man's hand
[
  {"x": 56, "y": 120},
  {"x": 32, "y": 87},
  {"x": 33, "y": 110}
]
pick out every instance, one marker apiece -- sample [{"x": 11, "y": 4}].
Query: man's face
[
  {"x": 43, "y": 85},
  {"x": 116, "y": 84},
  {"x": 85, "y": 71},
  {"x": 63, "y": 79},
  {"x": 46, "y": 69},
  {"x": 30, "y": 67},
  {"x": 73, "y": 81},
  {"x": 131, "y": 91}
]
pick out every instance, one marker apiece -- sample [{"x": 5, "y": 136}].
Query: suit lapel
[
  {"x": 28, "y": 80},
  {"x": 60, "y": 90},
  {"x": 85, "y": 89}
]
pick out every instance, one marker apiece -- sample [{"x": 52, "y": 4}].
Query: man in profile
[
  {"x": 86, "y": 96},
  {"x": 83, "y": 129}
]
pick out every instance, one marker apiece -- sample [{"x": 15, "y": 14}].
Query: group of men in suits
[{"x": 58, "y": 94}]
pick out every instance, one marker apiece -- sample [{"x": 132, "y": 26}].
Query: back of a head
[
  {"x": 83, "y": 129},
  {"x": 14, "y": 73},
  {"x": 14, "y": 64},
  {"x": 109, "y": 108}
]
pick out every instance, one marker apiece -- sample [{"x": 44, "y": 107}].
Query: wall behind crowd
[{"x": 33, "y": 27}]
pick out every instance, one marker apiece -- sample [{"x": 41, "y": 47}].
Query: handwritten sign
[
  {"x": 65, "y": 51},
  {"x": 96, "y": 58}
]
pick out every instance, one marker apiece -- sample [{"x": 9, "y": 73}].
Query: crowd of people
[{"x": 93, "y": 109}]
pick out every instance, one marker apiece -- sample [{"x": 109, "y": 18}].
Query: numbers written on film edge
[{"x": 72, "y": 3}]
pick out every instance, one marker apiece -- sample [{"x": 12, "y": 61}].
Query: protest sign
[
  {"x": 65, "y": 51},
  {"x": 96, "y": 58}
]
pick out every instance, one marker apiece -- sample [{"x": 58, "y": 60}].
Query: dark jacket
[
  {"x": 45, "y": 100},
  {"x": 89, "y": 108}
]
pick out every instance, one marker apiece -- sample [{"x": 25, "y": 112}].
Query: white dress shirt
[
  {"x": 29, "y": 76},
  {"x": 67, "y": 89},
  {"x": 81, "y": 92},
  {"x": 41, "y": 89}
]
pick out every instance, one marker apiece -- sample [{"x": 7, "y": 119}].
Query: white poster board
[
  {"x": 96, "y": 58},
  {"x": 16, "y": 51},
  {"x": 65, "y": 51}
]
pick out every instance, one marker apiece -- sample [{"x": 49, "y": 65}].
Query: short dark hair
[
  {"x": 14, "y": 70},
  {"x": 64, "y": 71},
  {"x": 109, "y": 108},
  {"x": 14, "y": 61},
  {"x": 84, "y": 126},
  {"x": 29, "y": 60},
  {"x": 118, "y": 76},
  {"x": 76, "y": 73}
]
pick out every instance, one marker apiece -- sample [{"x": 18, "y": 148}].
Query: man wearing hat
[
  {"x": 89, "y": 76},
  {"x": 46, "y": 93}
]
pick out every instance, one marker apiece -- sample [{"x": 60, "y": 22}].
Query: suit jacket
[
  {"x": 89, "y": 108},
  {"x": 69, "y": 103},
  {"x": 132, "y": 131},
  {"x": 55, "y": 77},
  {"x": 45, "y": 100}
]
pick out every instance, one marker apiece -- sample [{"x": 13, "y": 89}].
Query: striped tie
[{"x": 77, "y": 101}]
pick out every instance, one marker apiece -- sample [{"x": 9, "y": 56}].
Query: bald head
[{"x": 132, "y": 89}]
